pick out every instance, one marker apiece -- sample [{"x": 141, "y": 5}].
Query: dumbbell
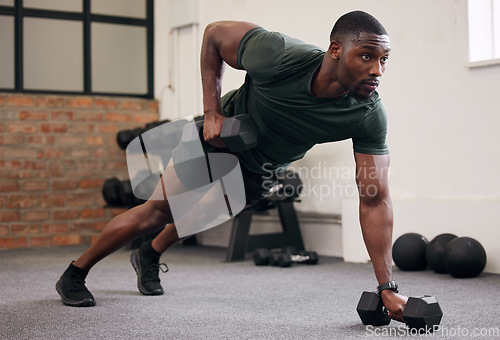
[
  {"x": 124, "y": 137},
  {"x": 422, "y": 313},
  {"x": 238, "y": 133},
  {"x": 119, "y": 193},
  {"x": 304, "y": 257}
]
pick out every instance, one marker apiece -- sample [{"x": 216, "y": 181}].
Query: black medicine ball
[
  {"x": 465, "y": 257},
  {"x": 436, "y": 250},
  {"x": 408, "y": 252}
]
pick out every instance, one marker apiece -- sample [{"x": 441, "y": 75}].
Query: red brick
[
  {"x": 118, "y": 117},
  {"x": 81, "y": 128},
  {"x": 17, "y": 174},
  {"x": 90, "y": 116},
  {"x": 91, "y": 183},
  {"x": 81, "y": 200},
  {"x": 62, "y": 115},
  {"x": 25, "y": 229},
  {"x": 21, "y": 127},
  {"x": 50, "y": 174},
  {"x": 90, "y": 226},
  {"x": 2, "y": 127},
  {"x": 59, "y": 185},
  {"x": 153, "y": 106},
  {"x": 56, "y": 228},
  {"x": 20, "y": 101},
  {"x": 93, "y": 165},
  {"x": 12, "y": 140},
  {"x": 106, "y": 103},
  {"x": 40, "y": 241},
  {"x": 68, "y": 140},
  {"x": 9, "y": 216},
  {"x": 80, "y": 153},
  {"x": 83, "y": 102},
  {"x": 67, "y": 240},
  {"x": 132, "y": 105},
  {"x": 4, "y": 230},
  {"x": 116, "y": 166},
  {"x": 9, "y": 186},
  {"x": 52, "y": 200},
  {"x": 94, "y": 140},
  {"x": 35, "y": 186},
  {"x": 21, "y": 153},
  {"x": 51, "y": 153},
  {"x": 21, "y": 201},
  {"x": 144, "y": 118},
  {"x": 36, "y": 216},
  {"x": 46, "y": 101},
  {"x": 53, "y": 127},
  {"x": 66, "y": 214},
  {"x": 93, "y": 213},
  {"x": 2, "y": 100},
  {"x": 34, "y": 165},
  {"x": 108, "y": 128},
  {"x": 10, "y": 165},
  {"x": 13, "y": 242},
  {"x": 33, "y": 115}
]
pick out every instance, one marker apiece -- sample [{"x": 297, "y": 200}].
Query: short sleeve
[
  {"x": 371, "y": 136},
  {"x": 260, "y": 53}
]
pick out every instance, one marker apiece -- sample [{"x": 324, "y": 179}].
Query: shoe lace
[
  {"x": 77, "y": 282},
  {"x": 152, "y": 273}
]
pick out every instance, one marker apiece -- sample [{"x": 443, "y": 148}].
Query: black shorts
[{"x": 257, "y": 186}]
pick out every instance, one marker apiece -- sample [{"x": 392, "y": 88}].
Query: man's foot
[
  {"x": 145, "y": 261},
  {"x": 71, "y": 287}
]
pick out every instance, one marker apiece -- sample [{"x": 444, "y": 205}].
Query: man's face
[{"x": 362, "y": 62}]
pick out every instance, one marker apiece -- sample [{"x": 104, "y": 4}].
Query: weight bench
[{"x": 241, "y": 242}]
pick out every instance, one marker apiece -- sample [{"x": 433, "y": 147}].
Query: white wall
[{"x": 442, "y": 115}]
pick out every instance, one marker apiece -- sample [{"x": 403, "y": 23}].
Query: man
[{"x": 298, "y": 95}]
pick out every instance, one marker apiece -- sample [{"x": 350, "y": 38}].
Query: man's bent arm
[{"x": 220, "y": 44}]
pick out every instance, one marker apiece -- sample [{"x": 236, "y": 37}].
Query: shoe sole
[
  {"x": 134, "y": 259},
  {"x": 74, "y": 303}
]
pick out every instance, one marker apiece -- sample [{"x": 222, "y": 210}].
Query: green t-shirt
[{"x": 291, "y": 120}]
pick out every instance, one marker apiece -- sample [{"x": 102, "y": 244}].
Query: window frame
[{"x": 86, "y": 17}]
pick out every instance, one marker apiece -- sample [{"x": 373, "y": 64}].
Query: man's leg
[
  {"x": 141, "y": 220},
  {"x": 146, "y": 260}
]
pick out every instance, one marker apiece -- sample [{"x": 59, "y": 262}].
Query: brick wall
[{"x": 55, "y": 153}]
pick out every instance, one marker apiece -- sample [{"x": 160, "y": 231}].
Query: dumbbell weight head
[
  {"x": 285, "y": 260},
  {"x": 370, "y": 310},
  {"x": 422, "y": 313},
  {"x": 312, "y": 256},
  {"x": 274, "y": 259},
  {"x": 124, "y": 137},
  {"x": 110, "y": 191},
  {"x": 239, "y": 133},
  {"x": 126, "y": 194},
  {"x": 261, "y": 257}
]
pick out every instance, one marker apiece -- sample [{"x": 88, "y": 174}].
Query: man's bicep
[
  {"x": 372, "y": 173},
  {"x": 226, "y": 37}
]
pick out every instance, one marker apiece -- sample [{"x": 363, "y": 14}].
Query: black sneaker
[
  {"x": 148, "y": 279},
  {"x": 71, "y": 287}
]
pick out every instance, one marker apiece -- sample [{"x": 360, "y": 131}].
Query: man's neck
[{"x": 324, "y": 83}]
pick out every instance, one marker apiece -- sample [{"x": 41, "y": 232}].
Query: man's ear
[{"x": 335, "y": 49}]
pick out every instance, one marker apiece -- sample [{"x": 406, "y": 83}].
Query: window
[
  {"x": 484, "y": 30},
  {"x": 98, "y": 47}
]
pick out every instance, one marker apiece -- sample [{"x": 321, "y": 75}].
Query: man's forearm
[{"x": 376, "y": 224}]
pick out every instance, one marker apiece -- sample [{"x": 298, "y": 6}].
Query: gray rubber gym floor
[{"x": 206, "y": 298}]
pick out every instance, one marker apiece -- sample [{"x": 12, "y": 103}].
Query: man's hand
[
  {"x": 211, "y": 130},
  {"x": 395, "y": 303}
]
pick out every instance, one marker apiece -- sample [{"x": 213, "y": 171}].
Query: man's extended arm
[
  {"x": 220, "y": 44},
  {"x": 376, "y": 219}
]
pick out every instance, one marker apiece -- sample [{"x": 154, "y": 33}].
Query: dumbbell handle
[{"x": 299, "y": 258}]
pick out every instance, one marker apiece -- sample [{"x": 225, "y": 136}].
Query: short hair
[{"x": 355, "y": 22}]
